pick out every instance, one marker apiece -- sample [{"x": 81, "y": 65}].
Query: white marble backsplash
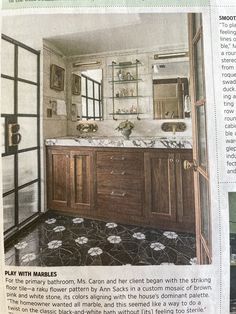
[
  {"x": 142, "y": 128},
  {"x": 117, "y": 141}
]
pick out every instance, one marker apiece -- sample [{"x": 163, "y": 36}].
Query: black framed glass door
[{"x": 20, "y": 131}]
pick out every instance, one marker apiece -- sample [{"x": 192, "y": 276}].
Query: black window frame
[
  {"x": 15, "y": 153},
  {"x": 94, "y": 99}
]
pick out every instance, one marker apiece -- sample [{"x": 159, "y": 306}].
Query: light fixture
[
  {"x": 78, "y": 64},
  {"x": 170, "y": 55}
]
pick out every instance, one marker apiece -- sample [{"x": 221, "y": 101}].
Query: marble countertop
[{"x": 117, "y": 141}]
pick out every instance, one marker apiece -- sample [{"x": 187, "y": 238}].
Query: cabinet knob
[
  {"x": 177, "y": 161},
  {"x": 171, "y": 160}
]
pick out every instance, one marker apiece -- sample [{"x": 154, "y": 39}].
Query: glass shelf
[
  {"x": 126, "y": 97},
  {"x": 120, "y": 78},
  {"x": 125, "y": 81},
  {"x": 125, "y": 64},
  {"x": 125, "y": 113}
]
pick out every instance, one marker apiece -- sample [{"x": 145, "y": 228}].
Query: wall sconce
[
  {"x": 79, "y": 64},
  {"x": 170, "y": 55}
]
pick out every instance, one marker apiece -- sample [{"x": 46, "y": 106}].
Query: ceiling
[{"x": 80, "y": 34}]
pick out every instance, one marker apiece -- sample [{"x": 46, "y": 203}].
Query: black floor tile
[{"x": 59, "y": 240}]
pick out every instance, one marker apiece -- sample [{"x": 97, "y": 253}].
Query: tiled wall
[{"x": 57, "y": 124}]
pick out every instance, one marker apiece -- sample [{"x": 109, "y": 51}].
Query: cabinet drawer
[
  {"x": 118, "y": 162},
  {"x": 120, "y": 201},
  {"x": 122, "y": 182}
]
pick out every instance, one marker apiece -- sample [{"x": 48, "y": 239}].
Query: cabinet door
[
  {"x": 82, "y": 180},
  {"x": 160, "y": 187},
  {"x": 58, "y": 179},
  {"x": 185, "y": 190}
]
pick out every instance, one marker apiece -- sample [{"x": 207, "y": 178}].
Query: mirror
[
  {"x": 89, "y": 103},
  {"x": 170, "y": 89}
]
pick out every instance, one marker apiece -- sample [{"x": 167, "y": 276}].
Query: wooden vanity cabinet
[
  {"x": 128, "y": 185},
  {"x": 169, "y": 190},
  {"x": 70, "y": 179}
]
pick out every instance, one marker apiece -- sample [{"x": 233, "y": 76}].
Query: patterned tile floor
[{"x": 58, "y": 240}]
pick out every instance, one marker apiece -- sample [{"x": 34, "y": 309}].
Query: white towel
[{"x": 187, "y": 104}]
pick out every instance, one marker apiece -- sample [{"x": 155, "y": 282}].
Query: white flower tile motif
[
  {"x": 139, "y": 236},
  {"x": 28, "y": 257},
  {"x": 50, "y": 221},
  {"x": 21, "y": 245},
  {"x": 54, "y": 244},
  {"x": 165, "y": 263},
  {"x": 94, "y": 251},
  {"x": 170, "y": 235},
  {"x": 81, "y": 240},
  {"x": 59, "y": 229},
  {"x": 157, "y": 246},
  {"x": 114, "y": 239},
  {"x": 111, "y": 225},
  {"x": 78, "y": 220},
  {"x": 193, "y": 261}
]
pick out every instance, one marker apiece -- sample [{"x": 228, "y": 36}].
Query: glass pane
[
  {"x": 84, "y": 112},
  {"x": 96, "y": 91},
  {"x": 28, "y": 202},
  {"x": 8, "y": 57},
  {"x": 8, "y": 173},
  {"x": 7, "y": 98},
  {"x": 27, "y": 98},
  {"x": 9, "y": 211},
  {"x": 90, "y": 88},
  {"x": 2, "y": 120},
  {"x": 202, "y": 142},
  {"x": 96, "y": 108},
  {"x": 83, "y": 86},
  {"x": 27, "y": 65},
  {"x": 204, "y": 206},
  {"x": 28, "y": 167},
  {"x": 199, "y": 75},
  {"x": 28, "y": 131},
  {"x": 90, "y": 108}
]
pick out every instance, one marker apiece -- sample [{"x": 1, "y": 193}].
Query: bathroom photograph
[{"x": 104, "y": 140}]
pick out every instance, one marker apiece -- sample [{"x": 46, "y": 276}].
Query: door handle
[
  {"x": 14, "y": 137},
  {"x": 190, "y": 165}
]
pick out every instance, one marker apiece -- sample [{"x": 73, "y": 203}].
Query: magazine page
[
  {"x": 224, "y": 17},
  {"x": 118, "y": 157}
]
